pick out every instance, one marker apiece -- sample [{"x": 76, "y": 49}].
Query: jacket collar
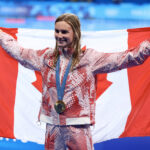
[{"x": 49, "y": 59}]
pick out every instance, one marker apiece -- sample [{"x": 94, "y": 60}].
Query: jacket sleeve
[
  {"x": 32, "y": 59},
  {"x": 110, "y": 62}
]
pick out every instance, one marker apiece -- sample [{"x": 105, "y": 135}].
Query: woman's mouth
[{"x": 61, "y": 40}]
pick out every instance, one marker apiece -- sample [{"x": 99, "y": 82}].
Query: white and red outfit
[{"x": 80, "y": 90}]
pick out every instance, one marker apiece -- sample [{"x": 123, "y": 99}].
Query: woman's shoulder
[
  {"x": 46, "y": 51},
  {"x": 88, "y": 51},
  {"x": 91, "y": 54}
]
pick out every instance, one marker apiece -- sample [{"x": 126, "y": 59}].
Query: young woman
[{"x": 68, "y": 73}]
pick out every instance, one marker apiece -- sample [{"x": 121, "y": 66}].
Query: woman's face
[{"x": 63, "y": 34}]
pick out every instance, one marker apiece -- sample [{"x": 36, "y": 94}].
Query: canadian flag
[{"x": 123, "y": 97}]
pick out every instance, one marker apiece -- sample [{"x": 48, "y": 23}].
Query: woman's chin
[{"x": 62, "y": 46}]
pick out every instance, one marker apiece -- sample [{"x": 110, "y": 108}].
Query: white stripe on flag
[
  {"x": 27, "y": 106},
  {"x": 28, "y": 98},
  {"x": 114, "y": 106}
]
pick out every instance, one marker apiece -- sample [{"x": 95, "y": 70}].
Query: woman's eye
[
  {"x": 57, "y": 31},
  {"x": 64, "y": 31}
]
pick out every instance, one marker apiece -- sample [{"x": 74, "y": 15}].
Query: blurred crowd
[{"x": 97, "y": 1}]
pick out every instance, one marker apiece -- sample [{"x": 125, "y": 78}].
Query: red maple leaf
[
  {"x": 38, "y": 83},
  {"x": 102, "y": 84}
]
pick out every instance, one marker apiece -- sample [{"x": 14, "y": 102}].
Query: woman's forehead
[{"x": 62, "y": 25}]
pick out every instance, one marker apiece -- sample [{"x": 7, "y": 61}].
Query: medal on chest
[{"x": 60, "y": 106}]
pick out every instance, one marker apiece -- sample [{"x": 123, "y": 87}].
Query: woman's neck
[{"x": 66, "y": 52}]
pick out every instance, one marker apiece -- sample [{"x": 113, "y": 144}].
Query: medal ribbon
[{"x": 61, "y": 88}]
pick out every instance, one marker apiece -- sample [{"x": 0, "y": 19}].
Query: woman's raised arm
[
  {"x": 30, "y": 58},
  {"x": 110, "y": 62}
]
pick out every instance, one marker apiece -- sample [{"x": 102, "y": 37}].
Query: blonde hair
[{"x": 74, "y": 22}]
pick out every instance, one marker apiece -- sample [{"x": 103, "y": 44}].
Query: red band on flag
[
  {"x": 139, "y": 85},
  {"x": 8, "y": 78}
]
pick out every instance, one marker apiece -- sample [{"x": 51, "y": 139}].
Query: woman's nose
[{"x": 60, "y": 35}]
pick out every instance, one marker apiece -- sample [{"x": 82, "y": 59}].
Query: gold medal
[{"x": 60, "y": 106}]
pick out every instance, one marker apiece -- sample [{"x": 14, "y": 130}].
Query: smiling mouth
[{"x": 61, "y": 40}]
